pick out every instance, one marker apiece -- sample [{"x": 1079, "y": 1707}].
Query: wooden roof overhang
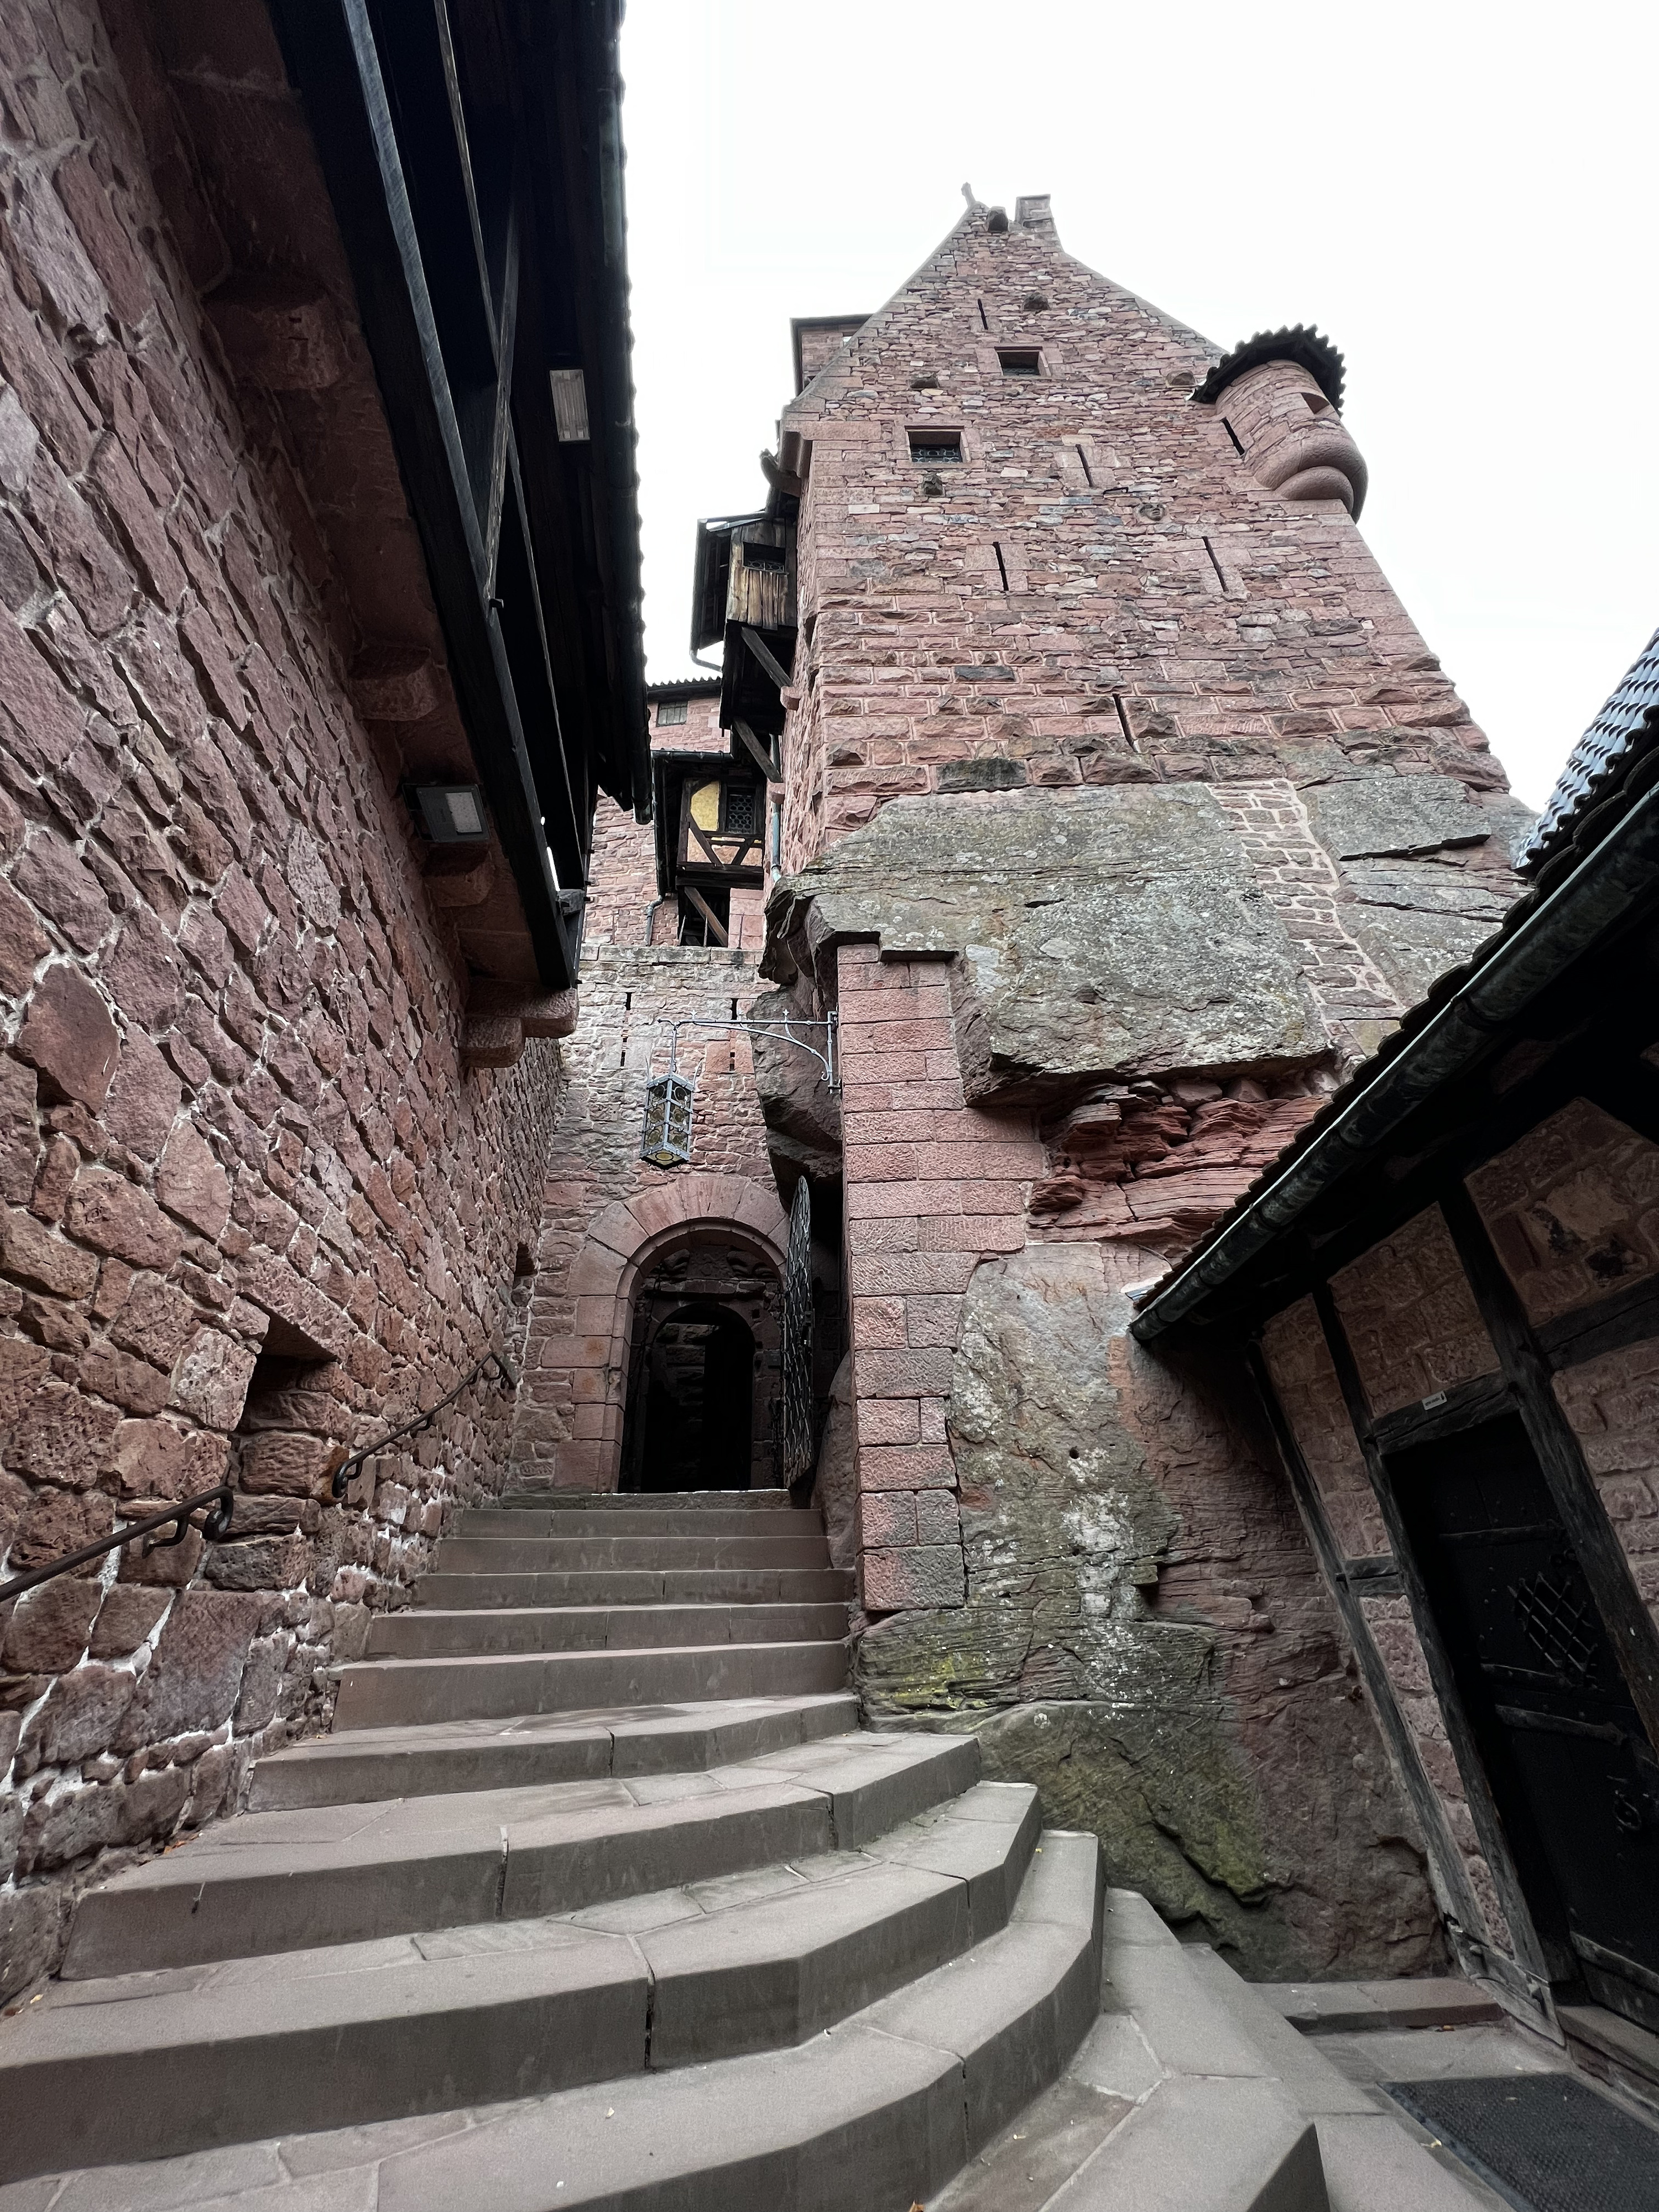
[{"x": 472, "y": 153}]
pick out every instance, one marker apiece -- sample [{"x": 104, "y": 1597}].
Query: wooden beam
[
  {"x": 1561, "y": 1456},
  {"x": 1626, "y": 1317},
  {"x": 762, "y": 753},
  {"x": 502, "y": 430},
  {"x": 1465, "y": 1406},
  {"x": 763, "y": 653},
  {"x": 707, "y": 912},
  {"x": 1483, "y": 1806},
  {"x": 1449, "y": 1876}
]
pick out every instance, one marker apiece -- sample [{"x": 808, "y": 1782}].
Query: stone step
[
  {"x": 447, "y": 1593},
  {"x": 166, "y": 2062},
  {"x": 383, "y": 1692},
  {"x": 631, "y": 1502},
  {"x": 659, "y": 1517},
  {"x": 871, "y": 2116},
  {"x": 529, "y": 1555},
  {"x": 424, "y": 1633},
  {"x": 359, "y": 1766},
  {"x": 291, "y": 1880}
]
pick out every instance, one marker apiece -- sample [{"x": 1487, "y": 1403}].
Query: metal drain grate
[{"x": 1546, "y": 2142}]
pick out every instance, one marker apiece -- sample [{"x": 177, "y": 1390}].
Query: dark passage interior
[
  {"x": 695, "y": 1415},
  {"x": 702, "y": 1381}
]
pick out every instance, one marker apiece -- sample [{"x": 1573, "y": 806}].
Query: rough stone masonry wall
[
  {"x": 231, "y": 1111},
  {"x": 568, "y": 1427},
  {"x": 1102, "y": 616}
]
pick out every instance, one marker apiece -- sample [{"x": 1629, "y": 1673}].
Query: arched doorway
[{"x": 703, "y": 1380}]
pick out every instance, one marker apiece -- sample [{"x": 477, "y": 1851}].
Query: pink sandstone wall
[
  {"x": 605, "y": 1213},
  {"x": 232, "y": 1105}
]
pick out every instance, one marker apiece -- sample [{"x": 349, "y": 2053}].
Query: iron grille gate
[{"x": 800, "y": 1437}]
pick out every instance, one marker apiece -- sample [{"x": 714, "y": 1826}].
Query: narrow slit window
[
  {"x": 931, "y": 446},
  {"x": 1002, "y": 566},
  {"x": 1220, "y": 576},
  {"x": 1317, "y": 402},
  {"x": 1238, "y": 445},
  {"x": 1020, "y": 361},
  {"x": 1123, "y": 720},
  {"x": 985, "y": 320},
  {"x": 1088, "y": 473}
]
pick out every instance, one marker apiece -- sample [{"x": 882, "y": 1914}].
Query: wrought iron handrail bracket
[{"x": 506, "y": 1374}]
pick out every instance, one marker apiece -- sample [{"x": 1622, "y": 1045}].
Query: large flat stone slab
[{"x": 1121, "y": 934}]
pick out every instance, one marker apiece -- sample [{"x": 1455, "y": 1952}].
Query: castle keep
[{"x": 807, "y": 1435}]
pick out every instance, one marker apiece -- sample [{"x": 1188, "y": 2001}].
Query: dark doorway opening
[
  {"x": 697, "y": 1391},
  {"x": 703, "y": 1368},
  {"x": 1573, "y": 1775}
]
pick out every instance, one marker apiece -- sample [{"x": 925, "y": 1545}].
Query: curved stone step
[
  {"x": 632, "y": 1502},
  {"x": 342, "y": 1873},
  {"x": 876, "y": 2113},
  {"x": 170, "y": 2062},
  {"x": 425, "y": 1632},
  {"x": 524, "y": 1555},
  {"x": 382, "y": 1692},
  {"x": 359, "y": 1766},
  {"x": 447, "y": 1593},
  {"x": 655, "y": 1518}
]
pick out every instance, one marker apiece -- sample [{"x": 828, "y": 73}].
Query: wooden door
[{"x": 1572, "y": 1770}]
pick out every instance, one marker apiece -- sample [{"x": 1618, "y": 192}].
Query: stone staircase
[{"x": 597, "y": 1895}]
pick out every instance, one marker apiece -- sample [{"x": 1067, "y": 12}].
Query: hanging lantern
[{"x": 666, "y": 1142}]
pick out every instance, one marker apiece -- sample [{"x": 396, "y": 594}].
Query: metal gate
[{"x": 799, "y": 1440}]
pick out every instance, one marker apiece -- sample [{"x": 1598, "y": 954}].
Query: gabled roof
[{"x": 1622, "y": 734}]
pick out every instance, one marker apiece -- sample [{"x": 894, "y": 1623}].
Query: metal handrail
[
  {"x": 506, "y": 1374},
  {"x": 221, "y": 1498}
]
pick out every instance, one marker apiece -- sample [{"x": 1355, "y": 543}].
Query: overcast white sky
[{"x": 1461, "y": 195}]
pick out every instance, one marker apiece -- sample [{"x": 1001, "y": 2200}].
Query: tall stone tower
[{"x": 1120, "y": 808}]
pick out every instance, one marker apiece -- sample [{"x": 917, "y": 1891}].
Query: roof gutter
[{"x": 1607, "y": 887}]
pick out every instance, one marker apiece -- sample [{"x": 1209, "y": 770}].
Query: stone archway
[{"x": 568, "y": 1432}]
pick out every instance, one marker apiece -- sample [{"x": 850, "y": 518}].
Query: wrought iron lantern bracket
[{"x": 666, "y": 1139}]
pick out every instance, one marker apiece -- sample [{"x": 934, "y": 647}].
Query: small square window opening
[
  {"x": 1020, "y": 361},
  {"x": 670, "y": 711},
  {"x": 934, "y": 447}
]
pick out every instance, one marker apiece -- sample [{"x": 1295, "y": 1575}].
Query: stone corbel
[{"x": 501, "y": 1016}]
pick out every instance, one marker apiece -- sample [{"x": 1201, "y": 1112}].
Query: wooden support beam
[
  {"x": 707, "y": 912},
  {"x": 763, "y": 755},
  {"x": 768, "y": 659},
  {"x": 1483, "y": 1806},
  {"x": 1447, "y": 1873}
]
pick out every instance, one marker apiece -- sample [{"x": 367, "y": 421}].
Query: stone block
[
  {"x": 260, "y": 1563},
  {"x": 1387, "y": 815},
  {"x": 190, "y": 1183},
  {"x": 938, "y": 1520},
  {"x": 151, "y": 1459},
  {"x": 49, "y": 1626},
  {"x": 62, "y": 1436},
  {"x": 126, "y": 1618},
  {"x": 31, "y": 1938},
  {"x": 69, "y": 1037},
  {"x": 196, "y": 1674},
  {"x": 38, "y": 1260},
  {"x": 886, "y": 1518},
  {"x": 912, "y": 1576},
  {"x": 116, "y": 1217},
  {"x": 80, "y": 1716},
  {"x": 287, "y": 1462}
]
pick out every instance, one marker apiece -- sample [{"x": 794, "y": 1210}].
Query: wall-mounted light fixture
[
  {"x": 666, "y": 1142},
  {"x": 452, "y": 813}
]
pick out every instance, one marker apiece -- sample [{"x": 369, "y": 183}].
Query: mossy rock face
[{"x": 1175, "y": 1686}]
